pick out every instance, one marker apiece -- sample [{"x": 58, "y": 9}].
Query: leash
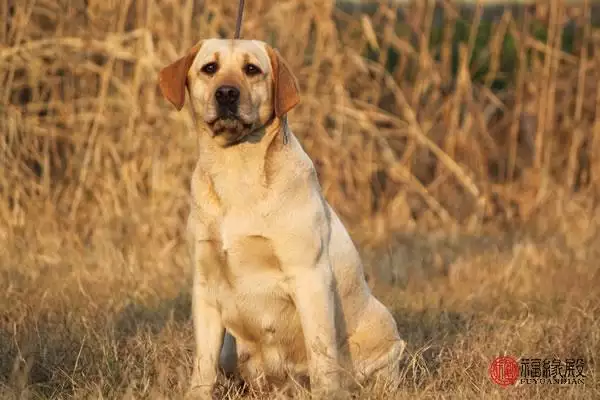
[{"x": 238, "y": 24}]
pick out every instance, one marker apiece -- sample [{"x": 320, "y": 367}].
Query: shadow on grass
[
  {"x": 427, "y": 333},
  {"x": 138, "y": 317},
  {"x": 57, "y": 353}
]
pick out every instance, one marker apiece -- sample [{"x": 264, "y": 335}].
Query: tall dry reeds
[{"x": 426, "y": 139}]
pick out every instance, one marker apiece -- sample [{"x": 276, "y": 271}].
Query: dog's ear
[
  {"x": 172, "y": 78},
  {"x": 285, "y": 87}
]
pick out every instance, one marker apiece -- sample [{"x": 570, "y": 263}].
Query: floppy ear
[
  {"x": 285, "y": 87},
  {"x": 172, "y": 78}
]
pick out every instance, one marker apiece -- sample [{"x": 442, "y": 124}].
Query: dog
[{"x": 279, "y": 291}]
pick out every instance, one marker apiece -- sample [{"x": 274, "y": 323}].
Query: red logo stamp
[{"x": 504, "y": 371}]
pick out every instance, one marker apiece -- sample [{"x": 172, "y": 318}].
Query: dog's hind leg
[
  {"x": 385, "y": 370},
  {"x": 376, "y": 346}
]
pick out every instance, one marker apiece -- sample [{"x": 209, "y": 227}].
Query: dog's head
[{"x": 235, "y": 86}]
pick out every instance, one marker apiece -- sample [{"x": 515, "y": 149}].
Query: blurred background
[{"x": 454, "y": 138}]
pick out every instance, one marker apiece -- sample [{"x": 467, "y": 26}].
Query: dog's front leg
[
  {"x": 313, "y": 292},
  {"x": 208, "y": 327}
]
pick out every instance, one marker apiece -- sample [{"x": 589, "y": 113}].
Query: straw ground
[{"x": 457, "y": 148}]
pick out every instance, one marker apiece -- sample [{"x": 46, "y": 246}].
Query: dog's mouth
[{"x": 229, "y": 124}]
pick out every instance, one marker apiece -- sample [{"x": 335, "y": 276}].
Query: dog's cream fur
[{"x": 279, "y": 289}]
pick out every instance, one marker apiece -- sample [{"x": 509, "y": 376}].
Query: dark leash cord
[{"x": 238, "y": 24}]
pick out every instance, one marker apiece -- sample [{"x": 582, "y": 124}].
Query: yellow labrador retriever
[{"x": 279, "y": 290}]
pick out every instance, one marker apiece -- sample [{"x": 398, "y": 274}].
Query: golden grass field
[{"x": 476, "y": 209}]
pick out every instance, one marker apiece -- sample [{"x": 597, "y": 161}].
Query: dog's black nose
[{"x": 227, "y": 95}]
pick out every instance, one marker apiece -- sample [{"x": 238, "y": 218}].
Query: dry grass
[{"x": 479, "y": 204}]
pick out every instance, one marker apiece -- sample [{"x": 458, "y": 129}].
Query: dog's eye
[
  {"x": 210, "y": 68},
  {"x": 251, "y": 70}
]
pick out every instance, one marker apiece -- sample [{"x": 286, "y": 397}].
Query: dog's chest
[{"x": 252, "y": 291}]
